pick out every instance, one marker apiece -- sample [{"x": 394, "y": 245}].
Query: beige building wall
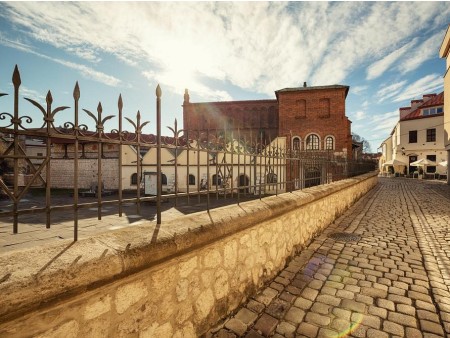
[
  {"x": 444, "y": 52},
  {"x": 422, "y": 148},
  {"x": 386, "y": 152},
  {"x": 253, "y": 167}
]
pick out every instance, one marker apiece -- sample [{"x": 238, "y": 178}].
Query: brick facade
[
  {"x": 251, "y": 119},
  {"x": 296, "y": 113}
]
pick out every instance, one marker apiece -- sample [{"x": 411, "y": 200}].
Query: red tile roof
[{"x": 437, "y": 100}]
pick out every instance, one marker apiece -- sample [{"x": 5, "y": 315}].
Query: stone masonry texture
[
  {"x": 391, "y": 280},
  {"x": 179, "y": 279}
]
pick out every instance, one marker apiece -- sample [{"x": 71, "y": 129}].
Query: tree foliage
[{"x": 366, "y": 145}]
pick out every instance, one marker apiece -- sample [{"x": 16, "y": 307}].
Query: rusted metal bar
[
  {"x": 175, "y": 132},
  {"x": 49, "y": 100},
  {"x": 208, "y": 183},
  {"x": 239, "y": 169},
  {"x": 158, "y": 154},
  {"x": 120, "y": 135},
  {"x": 16, "y": 82},
  {"x": 99, "y": 161},
  {"x": 138, "y": 162},
  {"x": 188, "y": 143},
  {"x": 198, "y": 166},
  {"x": 76, "y": 98}
]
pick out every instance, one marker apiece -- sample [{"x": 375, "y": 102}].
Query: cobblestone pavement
[{"x": 388, "y": 275}]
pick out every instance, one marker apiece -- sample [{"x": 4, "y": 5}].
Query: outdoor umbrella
[
  {"x": 423, "y": 162},
  {"x": 396, "y": 164},
  {"x": 443, "y": 163},
  {"x": 393, "y": 162}
]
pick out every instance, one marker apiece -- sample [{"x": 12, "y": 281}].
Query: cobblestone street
[{"x": 381, "y": 270}]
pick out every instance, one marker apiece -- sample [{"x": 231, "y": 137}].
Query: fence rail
[{"x": 215, "y": 165}]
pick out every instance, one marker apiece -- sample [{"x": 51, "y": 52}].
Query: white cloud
[
  {"x": 166, "y": 79},
  {"x": 258, "y": 46},
  {"x": 425, "y": 51},
  {"x": 390, "y": 91},
  {"x": 85, "y": 53},
  {"x": 358, "y": 89},
  {"x": 359, "y": 115},
  {"x": 375, "y": 30},
  {"x": 426, "y": 85},
  {"x": 86, "y": 71},
  {"x": 385, "y": 122},
  {"x": 379, "y": 67},
  {"x": 31, "y": 94}
]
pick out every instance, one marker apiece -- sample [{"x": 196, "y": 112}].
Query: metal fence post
[{"x": 158, "y": 154}]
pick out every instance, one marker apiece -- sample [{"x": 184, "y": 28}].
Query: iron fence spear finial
[
  {"x": 76, "y": 92},
  {"x": 120, "y": 103},
  {"x": 49, "y": 97},
  {"x": 16, "y": 77},
  {"x": 158, "y": 91}
]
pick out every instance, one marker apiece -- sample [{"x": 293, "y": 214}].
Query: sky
[{"x": 387, "y": 52}]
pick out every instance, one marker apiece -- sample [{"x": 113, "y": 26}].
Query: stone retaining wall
[{"x": 175, "y": 280}]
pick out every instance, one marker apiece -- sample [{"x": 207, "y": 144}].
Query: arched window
[
  {"x": 296, "y": 143},
  {"x": 134, "y": 179},
  {"x": 312, "y": 142},
  {"x": 191, "y": 179},
  {"x": 329, "y": 143},
  {"x": 216, "y": 180},
  {"x": 163, "y": 179}
]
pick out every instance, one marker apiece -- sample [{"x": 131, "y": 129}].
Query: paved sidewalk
[
  {"x": 32, "y": 231},
  {"x": 388, "y": 275}
]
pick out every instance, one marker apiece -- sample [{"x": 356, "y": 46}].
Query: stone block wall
[
  {"x": 173, "y": 280},
  {"x": 62, "y": 173}
]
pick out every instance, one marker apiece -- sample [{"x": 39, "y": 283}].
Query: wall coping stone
[{"x": 35, "y": 277}]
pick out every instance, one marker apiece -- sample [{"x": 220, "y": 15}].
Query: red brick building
[{"x": 312, "y": 118}]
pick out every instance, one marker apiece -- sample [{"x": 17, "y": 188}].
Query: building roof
[
  {"x": 437, "y": 100},
  {"x": 296, "y": 89}
]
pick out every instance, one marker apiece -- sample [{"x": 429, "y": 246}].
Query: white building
[{"x": 419, "y": 134}]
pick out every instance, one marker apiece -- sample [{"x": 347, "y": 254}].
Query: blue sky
[{"x": 387, "y": 52}]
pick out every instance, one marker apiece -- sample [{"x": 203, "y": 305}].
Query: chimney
[
  {"x": 415, "y": 104},
  {"x": 304, "y": 84},
  {"x": 186, "y": 96},
  {"x": 426, "y": 97},
  {"x": 404, "y": 111}
]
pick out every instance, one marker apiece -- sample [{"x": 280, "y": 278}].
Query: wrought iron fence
[{"x": 189, "y": 165}]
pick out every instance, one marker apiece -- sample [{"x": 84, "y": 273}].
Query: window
[
  {"x": 217, "y": 180},
  {"x": 134, "y": 179},
  {"x": 413, "y": 136},
  {"x": 431, "y": 135},
  {"x": 163, "y": 179},
  {"x": 312, "y": 142},
  {"x": 40, "y": 154},
  {"x": 296, "y": 143},
  {"x": 191, "y": 179},
  {"x": 433, "y": 111},
  {"x": 431, "y": 168},
  {"x": 329, "y": 143}
]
